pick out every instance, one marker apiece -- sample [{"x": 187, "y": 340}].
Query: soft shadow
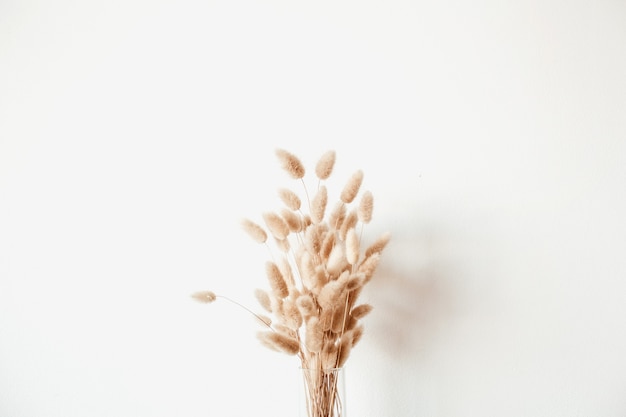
[
  {"x": 411, "y": 294},
  {"x": 414, "y": 301}
]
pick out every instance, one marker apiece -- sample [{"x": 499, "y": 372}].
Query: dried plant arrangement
[{"x": 317, "y": 271}]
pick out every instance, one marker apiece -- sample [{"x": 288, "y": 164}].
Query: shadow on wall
[
  {"x": 411, "y": 294},
  {"x": 414, "y": 302}
]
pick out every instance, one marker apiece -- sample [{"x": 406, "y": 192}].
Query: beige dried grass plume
[{"x": 291, "y": 163}]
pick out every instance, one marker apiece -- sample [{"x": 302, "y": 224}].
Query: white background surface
[{"x": 134, "y": 135}]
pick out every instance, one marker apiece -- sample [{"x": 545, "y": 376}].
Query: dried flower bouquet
[{"x": 317, "y": 272}]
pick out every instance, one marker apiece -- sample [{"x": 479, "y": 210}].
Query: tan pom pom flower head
[
  {"x": 290, "y": 163},
  {"x": 325, "y": 165}
]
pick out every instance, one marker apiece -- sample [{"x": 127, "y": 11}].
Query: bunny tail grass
[
  {"x": 210, "y": 296},
  {"x": 255, "y": 231},
  {"x": 352, "y": 187},
  {"x": 325, "y": 165},
  {"x": 204, "y": 296},
  {"x": 291, "y": 163}
]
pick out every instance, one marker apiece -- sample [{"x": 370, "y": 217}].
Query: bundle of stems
[
  {"x": 321, "y": 392},
  {"x": 316, "y": 274}
]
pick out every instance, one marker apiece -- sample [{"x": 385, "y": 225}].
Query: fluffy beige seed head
[
  {"x": 329, "y": 356},
  {"x": 292, "y": 219},
  {"x": 361, "y": 311},
  {"x": 330, "y": 293},
  {"x": 306, "y": 266},
  {"x": 255, "y": 231},
  {"x": 344, "y": 350},
  {"x": 290, "y": 163},
  {"x": 264, "y": 339},
  {"x": 337, "y": 216},
  {"x": 314, "y": 336},
  {"x": 267, "y": 321},
  {"x": 357, "y": 334},
  {"x": 313, "y": 239},
  {"x": 285, "y": 269},
  {"x": 264, "y": 299},
  {"x": 327, "y": 246},
  {"x": 276, "y": 306},
  {"x": 279, "y": 342},
  {"x": 325, "y": 165},
  {"x": 378, "y": 245},
  {"x": 204, "y": 296},
  {"x": 282, "y": 244},
  {"x": 290, "y": 199},
  {"x": 352, "y": 247},
  {"x": 366, "y": 207},
  {"x": 350, "y": 222},
  {"x": 351, "y": 323},
  {"x": 291, "y": 315},
  {"x": 368, "y": 266},
  {"x": 306, "y": 305},
  {"x": 312, "y": 364},
  {"x": 336, "y": 260},
  {"x": 355, "y": 281},
  {"x": 326, "y": 319},
  {"x": 351, "y": 188},
  {"x": 320, "y": 278},
  {"x": 281, "y": 328},
  {"x": 276, "y": 224},
  {"x": 318, "y": 205},
  {"x": 276, "y": 280},
  {"x": 339, "y": 318}
]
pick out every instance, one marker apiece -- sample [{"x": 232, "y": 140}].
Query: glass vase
[{"x": 322, "y": 393}]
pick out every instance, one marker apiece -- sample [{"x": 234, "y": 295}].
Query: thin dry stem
[
  {"x": 230, "y": 300},
  {"x": 264, "y": 319}
]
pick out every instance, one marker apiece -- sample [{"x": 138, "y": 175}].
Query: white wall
[{"x": 135, "y": 134}]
